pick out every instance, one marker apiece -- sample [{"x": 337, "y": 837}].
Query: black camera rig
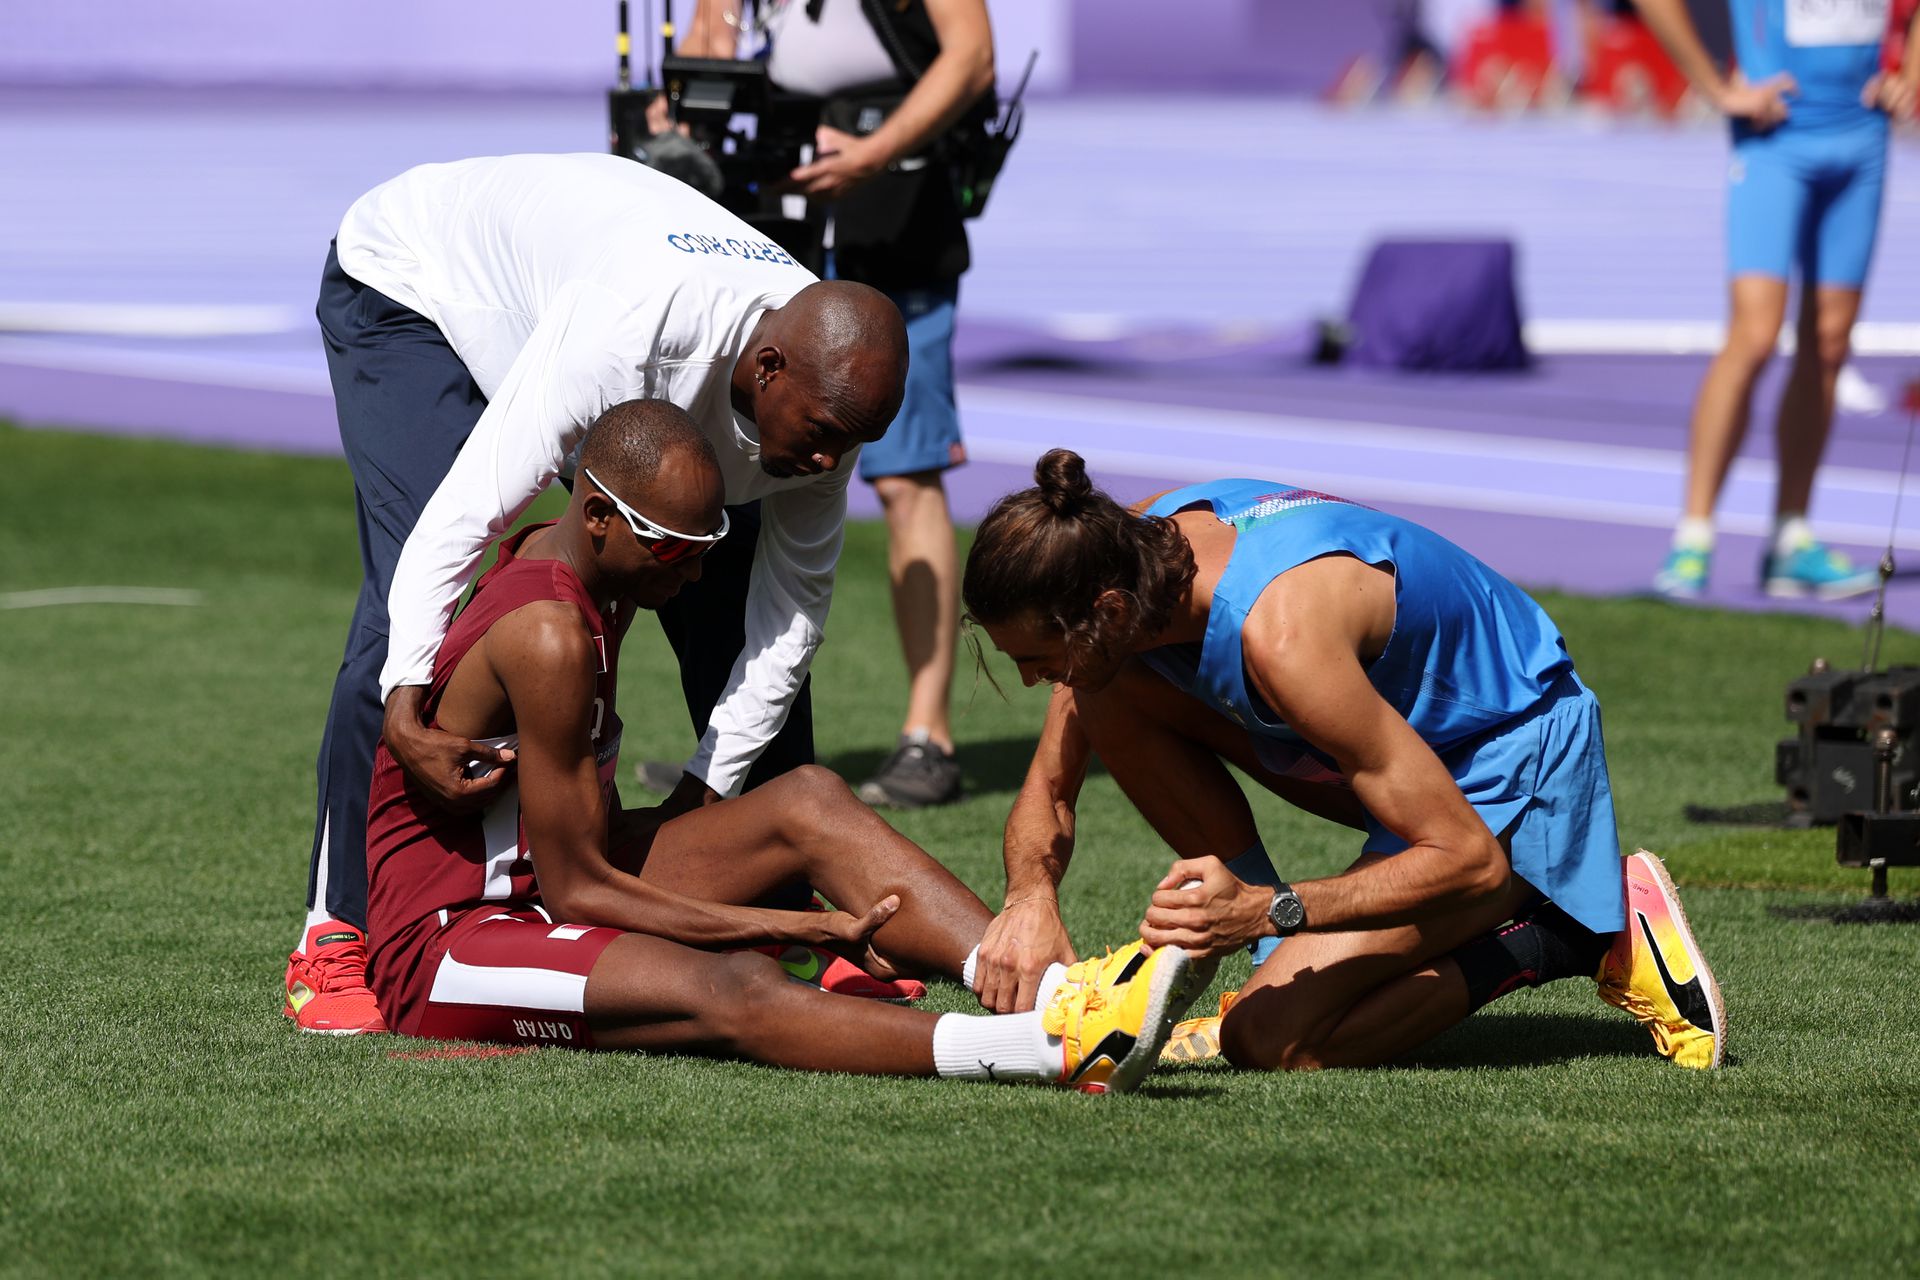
[
  {"x": 1833, "y": 765},
  {"x": 743, "y": 137},
  {"x": 1855, "y": 761}
]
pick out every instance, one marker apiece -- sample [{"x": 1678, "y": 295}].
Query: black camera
[
  {"x": 743, "y": 137},
  {"x": 1830, "y": 766}
]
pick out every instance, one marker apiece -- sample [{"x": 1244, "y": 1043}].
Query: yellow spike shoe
[
  {"x": 1198, "y": 1039},
  {"x": 1114, "y": 1020},
  {"x": 1656, "y": 973},
  {"x": 1107, "y": 970}
]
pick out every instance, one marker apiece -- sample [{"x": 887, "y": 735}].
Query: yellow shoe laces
[{"x": 1067, "y": 1012}]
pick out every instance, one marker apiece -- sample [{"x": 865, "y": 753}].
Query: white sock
[
  {"x": 1012, "y": 1047},
  {"x": 1049, "y": 981},
  {"x": 1693, "y": 533},
  {"x": 1791, "y": 532}
]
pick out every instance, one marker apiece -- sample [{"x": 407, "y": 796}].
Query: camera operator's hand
[
  {"x": 841, "y": 162},
  {"x": 659, "y": 119}
]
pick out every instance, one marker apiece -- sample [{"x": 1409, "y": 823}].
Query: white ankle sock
[
  {"x": 1012, "y": 1047},
  {"x": 1049, "y": 981},
  {"x": 1693, "y": 533},
  {"x": 1791, "y": 532}
]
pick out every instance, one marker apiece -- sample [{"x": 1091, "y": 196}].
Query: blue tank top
[
  {"x": 1469, "y": 650},
  {"x": 1830, "y": 47}
]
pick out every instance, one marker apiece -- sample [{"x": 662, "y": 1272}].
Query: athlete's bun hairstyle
[
  {"x": 626, "y": 444},
  {"x": 1061, "y": 478},
  {"x": 1051, "y": 552}
]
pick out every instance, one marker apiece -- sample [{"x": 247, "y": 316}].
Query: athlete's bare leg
[
  {"x": 1756, "y": 306},
  {"x": 1322, "y": 999},
  {"x": 1169, "y": 753},
  {"x": 1824, "y": 335},
  {"x": 806, "y": 825},
  {"x": 650, "y": 994},
  {"x": 1359, "y": 999}
]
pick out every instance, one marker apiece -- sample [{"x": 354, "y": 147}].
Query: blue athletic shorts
[
  {"x": 926, "y": 435},
  {"x": 1808, "y": 199},
  {"x": 1539, "y": 780}
]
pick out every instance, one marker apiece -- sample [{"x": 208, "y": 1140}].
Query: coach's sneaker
[
  {"x": 658, "y": 776},
  {"x": 1656, "y": 973},
  {"x": 1198, "y": 1039},
  {"x": 1814, "y": 569},
  {"x": 917, "y": 775},
  {"x": 1112, "y": 1027},
  {"x": 840, "y": 975},
  {"x": 1684, "y": 576},
  {"x": 327, "y": 983}
]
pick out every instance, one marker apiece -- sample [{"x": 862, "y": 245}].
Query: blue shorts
[
  {"x": 926, "y": 434},
  {"x": 1539, "y": 780},
  {"x": 1808, "y": 198}
]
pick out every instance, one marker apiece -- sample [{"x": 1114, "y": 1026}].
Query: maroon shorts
[{"x": 506, "y": 973}]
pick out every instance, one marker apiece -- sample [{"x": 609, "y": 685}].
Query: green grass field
[{"x": 161, "y": 1116}]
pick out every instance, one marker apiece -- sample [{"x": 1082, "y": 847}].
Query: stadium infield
[{"x": 162, "y": 1117}]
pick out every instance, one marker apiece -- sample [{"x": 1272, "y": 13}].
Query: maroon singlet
[{"x": 426, "y": 867}]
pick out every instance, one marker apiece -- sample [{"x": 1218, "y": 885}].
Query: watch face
[{"x": 1288, "y": 911}]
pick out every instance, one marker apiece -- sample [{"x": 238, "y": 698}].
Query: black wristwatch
[{"x": 1286, "y": 913}]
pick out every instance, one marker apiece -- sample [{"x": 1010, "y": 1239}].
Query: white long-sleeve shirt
[{"x": 567, "y": 284}]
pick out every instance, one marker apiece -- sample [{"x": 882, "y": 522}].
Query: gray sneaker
[
  {"x": 916, "y": 775},
  {"x": 658, "y": 776}
]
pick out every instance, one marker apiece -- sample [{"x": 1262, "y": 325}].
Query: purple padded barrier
[{"x": 1438, "y": 305}]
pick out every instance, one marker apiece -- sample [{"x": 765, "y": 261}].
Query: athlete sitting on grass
[
  {"x": 557, "y": 917},
  {"x": 1368, "y": 671}
]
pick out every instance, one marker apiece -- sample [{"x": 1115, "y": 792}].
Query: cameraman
[{"x": 900, "y": 78}]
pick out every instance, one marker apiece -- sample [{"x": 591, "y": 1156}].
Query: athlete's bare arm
[
  {"x": 1028, "y": 934},
  {"x": 1763, "y": 104},
  {"x": 1307, "y": 639},
  {"x": 533, "y": 673}
]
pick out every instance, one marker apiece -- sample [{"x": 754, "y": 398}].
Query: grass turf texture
[{"x": 161, "y": 1116}]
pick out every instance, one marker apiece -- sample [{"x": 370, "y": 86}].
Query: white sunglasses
[{"x": 667, "y": 546}]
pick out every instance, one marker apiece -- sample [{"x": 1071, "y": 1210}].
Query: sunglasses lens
[{"x": 674, "y": 550}]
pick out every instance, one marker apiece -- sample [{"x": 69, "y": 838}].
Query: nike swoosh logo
[
  {"x": 1688, "y": 997},
  {"x": 807, "y": 970},
  {"x": 1112, "y": 1049},
  {"x": 298, "y": 994}
]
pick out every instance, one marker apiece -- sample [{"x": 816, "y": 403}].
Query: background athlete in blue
[
  {"x": 1366, "y": 670},
  {"x": 1809, "y": 108}
]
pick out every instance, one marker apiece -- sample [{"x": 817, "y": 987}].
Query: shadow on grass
[
  {"x": 1765, "y": 813},
  {"x": 991, "y": 766},
  {"x": 1520, "y": 1040},
  {"x": 1200, "y": 1085},
  {"x": 1863, "y": 910}
]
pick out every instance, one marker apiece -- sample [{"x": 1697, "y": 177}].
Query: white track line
[
  {"x": 165, "y": 367},
  {"x": 1079, "y": 422},
  {"x": 1691, "y": 338},
  {"x": 1543, "y": 337},
  {"x": 149, "y": 319},
  {"x": 97, "y": 595},
  {"x": 1281, "y": 428}
]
